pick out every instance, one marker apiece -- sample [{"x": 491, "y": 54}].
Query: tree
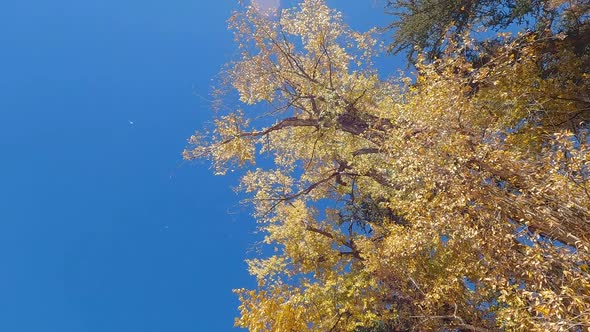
[
  {"x": 428, "y": 25},
  {"x": 458, "y": 200}
]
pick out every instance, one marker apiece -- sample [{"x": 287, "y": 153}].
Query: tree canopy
[
  {"x": 426, "y": 26},
  {"x": 455, "y": 200}
]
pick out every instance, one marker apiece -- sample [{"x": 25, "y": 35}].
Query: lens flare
[{"x": 267, "y": 6}]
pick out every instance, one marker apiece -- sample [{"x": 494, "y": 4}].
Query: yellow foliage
[{"x": 459, "y": 201}]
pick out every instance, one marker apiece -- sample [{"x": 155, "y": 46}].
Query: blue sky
[{"x": 102, "y": 227}]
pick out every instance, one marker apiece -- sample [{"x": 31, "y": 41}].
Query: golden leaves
[{"x": 460, "y": 199}]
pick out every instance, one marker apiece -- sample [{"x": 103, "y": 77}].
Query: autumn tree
[{"x": 458, "y": 200}]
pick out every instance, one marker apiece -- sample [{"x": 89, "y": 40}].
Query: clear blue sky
[{"x": 101, "y": 228}]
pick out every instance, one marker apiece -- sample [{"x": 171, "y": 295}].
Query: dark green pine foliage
[{"x": 428, "y": 25}]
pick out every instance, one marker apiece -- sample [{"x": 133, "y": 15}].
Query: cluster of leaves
[{"x": 456, "y": 201}]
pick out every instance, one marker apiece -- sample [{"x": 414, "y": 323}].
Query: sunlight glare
[{"x": 267, "y": 6}]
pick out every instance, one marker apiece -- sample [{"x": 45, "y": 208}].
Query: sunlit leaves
[{"x": 458, "y": 200}]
